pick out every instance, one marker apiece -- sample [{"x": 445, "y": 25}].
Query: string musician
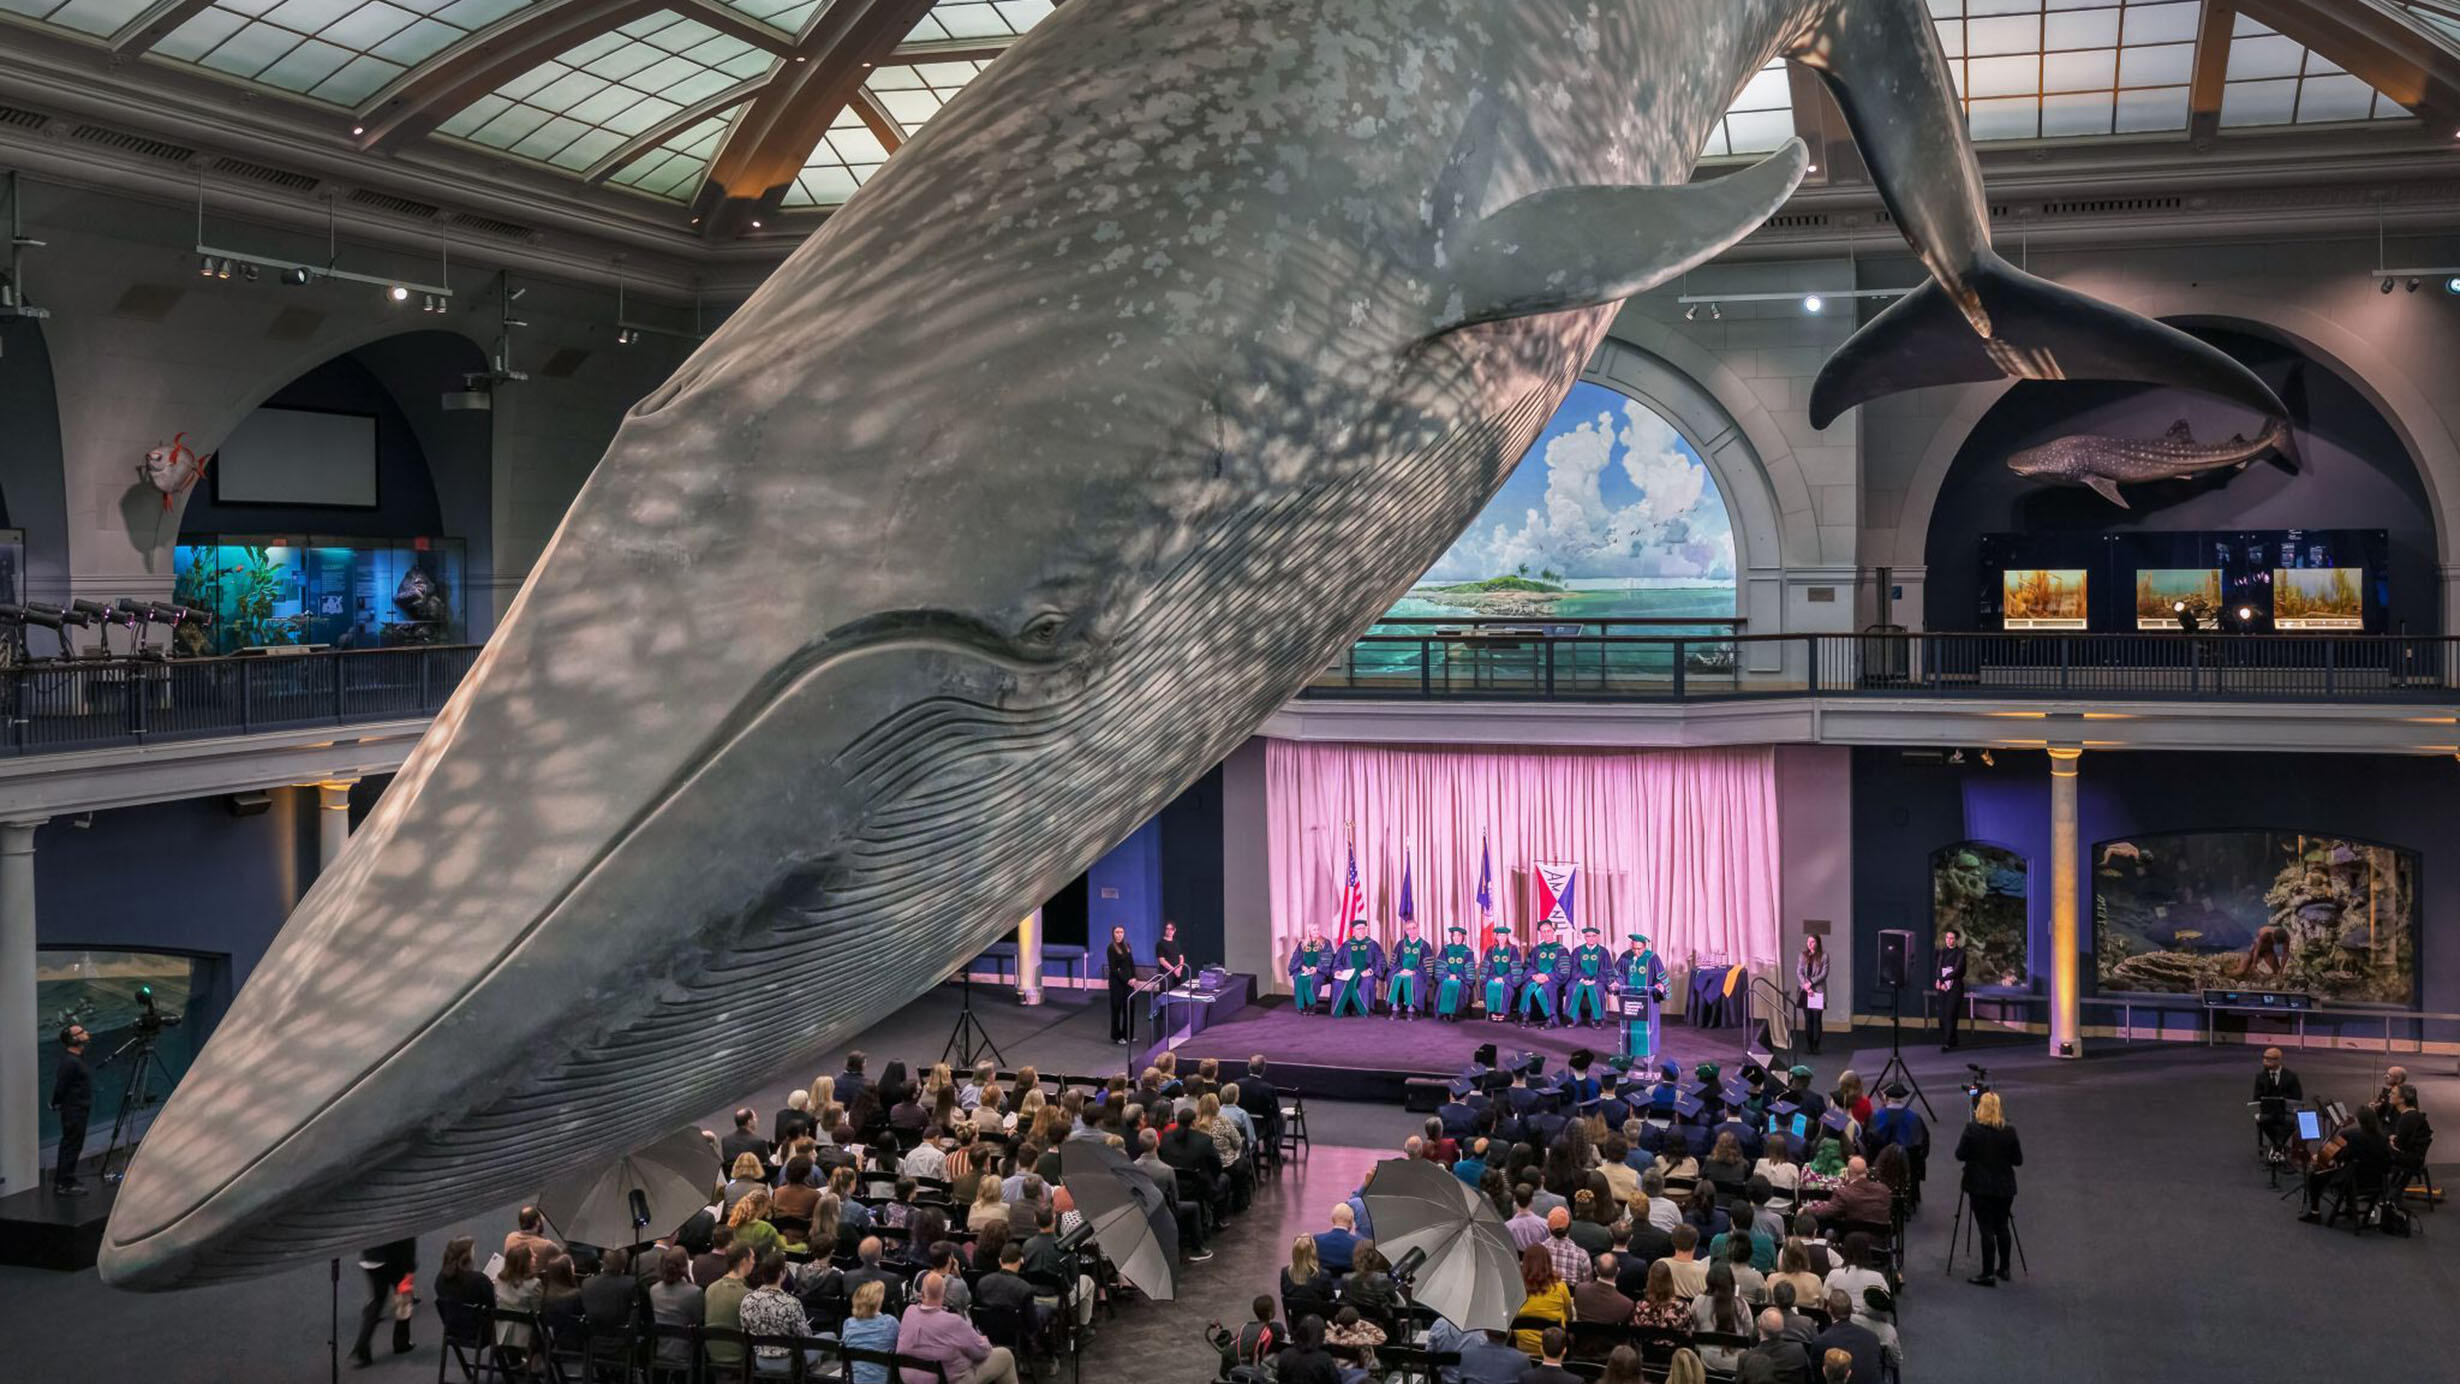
[{"x": 2356, "y": 1156}]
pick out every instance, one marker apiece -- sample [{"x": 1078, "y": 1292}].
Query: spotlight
[
  {"x": 1692, "y": 313},
  {"x": 248, "y": 272},
  {"x": 296, "y": 277},
  {"x": 205, "y": 266},
  {"x": 755, "y": 225},
  {"x": 2412, "y": 285},
  {"x": 1988, "y": 761},
  {"x": 358, "y": 129},
  {"x": 224, "y": 270},
  {"x": 2452, "y": 285},
  {"x": 625, "y": 336},
  {"x": 398, "y": 293},
  {"x": 2245, "y": 614},
  {"x": 1716, "y": 312},
  {"x": 2387, "y": 286},
  {"x": 1813, "y": 303},
  {"x": 2178, "y": 607}
]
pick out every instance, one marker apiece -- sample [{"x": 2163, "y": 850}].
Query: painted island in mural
[
  {"x": 1978, "y": 890},
  {"x": 2280, "y": 910},
  {"x": 1612, "y": 515}
]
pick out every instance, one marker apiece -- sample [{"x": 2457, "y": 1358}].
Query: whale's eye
[{"x": 1043, "y": 631}]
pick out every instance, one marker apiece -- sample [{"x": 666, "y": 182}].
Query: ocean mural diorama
[
  {"x": 2283, "y": 910},
  {"x": 1611, "y": 515},
  {"x": 1977, "y": 890}
]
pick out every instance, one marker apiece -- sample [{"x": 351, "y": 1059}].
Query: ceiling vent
[
  {"x": 263, "y": 173},
  {"x": 1797, "y": 222},
  {"x": 488, "y": 225},
  {"x": 18, "y": 118},
  {"x": 139, "y": 145},
  {"x": 2110, "y": 206},
  {"x": 399, "y": 206}
]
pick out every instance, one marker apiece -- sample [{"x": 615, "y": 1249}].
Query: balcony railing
[
  {"x": 1529, "y": 665},
  {"x": 88, "y": 704}
]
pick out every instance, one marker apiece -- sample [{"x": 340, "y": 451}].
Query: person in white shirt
[
  {"x": 1665, "y": 1212},
  {"x": 928, "y": 1159}
]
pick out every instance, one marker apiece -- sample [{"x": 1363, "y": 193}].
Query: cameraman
[
  {"x": 72, "y": 1094},
  {"x": 1991, "y": 1154}
]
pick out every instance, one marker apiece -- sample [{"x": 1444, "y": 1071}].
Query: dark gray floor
[{"x": 2157, "y": 1253}]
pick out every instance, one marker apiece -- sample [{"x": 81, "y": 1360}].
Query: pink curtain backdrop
[{"x": 1678, "y": 844}]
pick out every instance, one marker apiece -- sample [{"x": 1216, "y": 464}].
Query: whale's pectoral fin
[
  {"x": 2038, "y": 331},
  {"x": 2108, "y": 490},
  {"x": 1580, "y": 247}
]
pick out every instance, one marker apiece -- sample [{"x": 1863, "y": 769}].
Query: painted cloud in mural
[{"x": 1611, "y": 490}]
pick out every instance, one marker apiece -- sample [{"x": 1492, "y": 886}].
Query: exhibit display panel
[
  {"x": 291, "y": 590},
  {"x": 2287, "y": 579},
  {"x": 2329, "y": 915},
  {"x": 1977, "y": 890}
]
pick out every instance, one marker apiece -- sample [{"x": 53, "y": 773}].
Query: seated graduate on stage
[
  {"x": 1544, "y": 970},
  {"x": 1638, "y": 972},
  {"x": 1584, "y": 1003},
  {"x": 1456, "y": 969},
  {"x": 2277, "y": 1093},
  {"x": 1403, "y": 974},
  {"x": 1355, "y": 967},
  {"x": 1310, "y": 963},
  {"x": 1499, "y": 974}
]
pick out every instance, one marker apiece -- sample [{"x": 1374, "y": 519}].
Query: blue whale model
[{"x": 1126, "y": 394}]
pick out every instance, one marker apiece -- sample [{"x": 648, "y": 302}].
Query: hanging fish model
[{"x": 2106, "y": 463}]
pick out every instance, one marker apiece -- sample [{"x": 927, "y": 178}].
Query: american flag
[
  {"x": 1353, "y": 899},
  {"x": 1486, "y": 895}
]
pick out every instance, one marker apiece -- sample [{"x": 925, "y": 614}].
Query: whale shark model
[
  {"x": 1131, "y": 390},
  {"x": 2106, "y": 463}
]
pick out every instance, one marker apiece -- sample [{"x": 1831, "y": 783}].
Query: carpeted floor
[{"x": 2157, "y": 1251}]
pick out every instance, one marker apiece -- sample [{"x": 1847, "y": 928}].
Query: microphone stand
[{"x": 333, "y": 1326}]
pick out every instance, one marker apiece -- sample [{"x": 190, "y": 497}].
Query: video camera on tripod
[
  {"x": 151, "y": 1018},
  {"x": 1978, "y": 1085}
]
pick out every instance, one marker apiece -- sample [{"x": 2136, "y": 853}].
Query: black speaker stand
[{"x": 1896, "y": 1055}]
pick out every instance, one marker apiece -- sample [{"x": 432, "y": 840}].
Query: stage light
[
  {"x": 1989, "y": 761},
  {"x": 1813, "y": 303},
  {"x": 1692, "y": 313},
  {"x": 755, "y": 225},
  {"x": 224, "y": 270},
  {"x": 2387, "y": 285},
  {"x": 358, "y": 129},
  {"x": 296, "y": 277},
  {"x": 2413, "y": 285},
  {"x": 205, "y": 266},
  {"x": 625, "y": 336},
  {"x": 398, "y": 294},
  {"x": 2452, "y": 285},
  {"x": 2245, "y": 613},
  {"x": 1716, "y": 312},
  {"x": 248, "y": 272},
  {"x": 2180, "y": 607}
]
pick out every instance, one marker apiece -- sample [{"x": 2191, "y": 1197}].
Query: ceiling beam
[
  {"x": 736, "y": 24},
  {"x": 768, "y": 145},
  {"x": 670, "y": 127},
  {"x": 2204, "y": 87},
  {"x": 155, "y": 23},
  {"x": 2389, "y": 49},
  {"x": 883, "y": 126},
  {"x": 950, "y": 50}
]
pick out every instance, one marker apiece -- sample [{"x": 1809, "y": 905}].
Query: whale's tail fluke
[{"x": 2038, "y": 331}]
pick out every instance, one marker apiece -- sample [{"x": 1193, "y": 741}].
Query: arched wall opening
[
  {"x": 2356, "y": 476},
  {"x": 396, "y": 563}
]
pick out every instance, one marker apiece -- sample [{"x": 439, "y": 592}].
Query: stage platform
[
  {"x": 1375, "y": 1058},
  {"x": 41, "y": 1231}
]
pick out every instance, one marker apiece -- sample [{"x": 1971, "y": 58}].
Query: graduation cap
[
  {"x": 1357, "y": 924},
  {"x": 1581, "y": 1059},
  {"x": 1503, "y": 934},
  {"x": 1897, "y": 1090},
  {"x": 1687, "y": 1106},
  {"x": 1456, "y": 928},
  {"x": 1706, "y": 1071},
  {"x": 1735, "y": 1092},
  {"x": 1619, "y": 1063},
  {"x": 1834, "y": 1121},
  {"x": 1588, "y": 930},
  {"x": 1641, "y": 937},
  {"x": 1800, "y": 1071}
]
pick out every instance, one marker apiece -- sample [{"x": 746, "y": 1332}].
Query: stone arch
[{"x": 2374, "y": 374}]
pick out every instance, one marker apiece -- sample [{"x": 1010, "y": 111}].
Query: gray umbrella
[
  {"x": 1471, "y": 1276},
  {"x": 671, "y": 1178},
  {"x": 1130, "y": 1217}
]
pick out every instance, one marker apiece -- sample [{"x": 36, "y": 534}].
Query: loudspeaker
[{"x": 1895, "y": 958}]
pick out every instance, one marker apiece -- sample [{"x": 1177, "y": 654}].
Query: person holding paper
[
  {"x": 1308, "y": 962},
  {"x": 1811, "y": 989},
  {"x": 1354, "y": 969}
]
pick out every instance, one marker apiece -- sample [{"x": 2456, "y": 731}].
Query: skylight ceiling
[
  {"x": 337, "y": 51},
  {"x": 973, "y": 19},
  {"x": 2274, "y": 80},
  {"x": 2055, "y": 69},
  {"x": 1761, "y": 118},
  {"x": 590, "y": 100}
]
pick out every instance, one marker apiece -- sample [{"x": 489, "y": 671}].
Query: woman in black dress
[
  {"x": 1991, "y": 1154},
  {"x": 1120, "y": 962}
]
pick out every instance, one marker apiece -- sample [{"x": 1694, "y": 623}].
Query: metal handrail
[
  {"x": 98, "y": 703},
  {"x": 2126, "y": 1004}
]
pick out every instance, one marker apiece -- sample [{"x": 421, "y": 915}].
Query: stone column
[
  {"x": 1029, "y": 959},
  {"x": 21, "y": 1042},
  {"x": 2066, "y": 922},
  {"x": 332, "y": 821}
]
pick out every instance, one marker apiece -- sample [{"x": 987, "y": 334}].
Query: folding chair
[
  {"x": 850, "y": 1356},
  {"x": 669, "y": 1352},
  {"x": 1006, "y": 1326},
  {"x": 1294, "y": 1140},
  {"x": 524, "y": 1362},
  {"x": 465, "y": 1339},
  {"x": 725, "y": 1356}
]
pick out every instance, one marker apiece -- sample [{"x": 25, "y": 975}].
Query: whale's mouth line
[{"x": 937, "y": 631}]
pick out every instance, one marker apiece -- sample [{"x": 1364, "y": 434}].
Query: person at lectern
[
  {"x": 1499, "y": 971},
  {"x": 1170, "y": 969},
  {"x": 1404, "y": 984},
  {"x": 1355, "y": 967},
  {"x": 1587, "y": 993},
  {"x": 1546, "y": 964},
  {"x": 1308, "y": 963},
  {"x": 1119, "y": 960},
  {"x": 1456, "y": 968},
  {"x": 1638, "y": 971}
]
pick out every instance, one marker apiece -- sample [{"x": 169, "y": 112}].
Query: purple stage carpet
[{"x": 1374, "y": 1058}]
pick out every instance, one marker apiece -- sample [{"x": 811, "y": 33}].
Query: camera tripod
[
  {"x": 970, "y": 1038},
  {"x": 144, "y": 1064},
  {"x": 1896, "y": 1067},
  {"x": 1957, "y": 1224}
]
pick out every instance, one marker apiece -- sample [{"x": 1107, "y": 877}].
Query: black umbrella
[{"x": 1129, "y": 1216}]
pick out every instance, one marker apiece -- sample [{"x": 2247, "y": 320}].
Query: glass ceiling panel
[
  {"x": 2275, "y": 80},
  {"x": 787, "y": 15},
  {"x": 845, "y": 160},
  {"x": 341, "y": 51},
  {"x": 1761, "y": 118},
  {"x": 2441, "y": 15},
  {"x": 673, "y": 169},
  {"x": 574, "y": 110},
  {"x": 97, "y": 17},
  {"x": 978, "y": 19},
  {"x": 912, "y": 93},
  {"x": 2056, "y": 69}
]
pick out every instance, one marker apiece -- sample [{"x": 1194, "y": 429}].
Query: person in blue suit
[
  {"x": 1403, "y": 975},
  {"x": 1589, "y": 963},
  {"x": 1499, "y": 972},
  {"x": 1456, "y": 967},
  {"x": 1356, "y": 964},
  {"x": 1545, "y": 966},
  {"x": 1308, "y": 963}
]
